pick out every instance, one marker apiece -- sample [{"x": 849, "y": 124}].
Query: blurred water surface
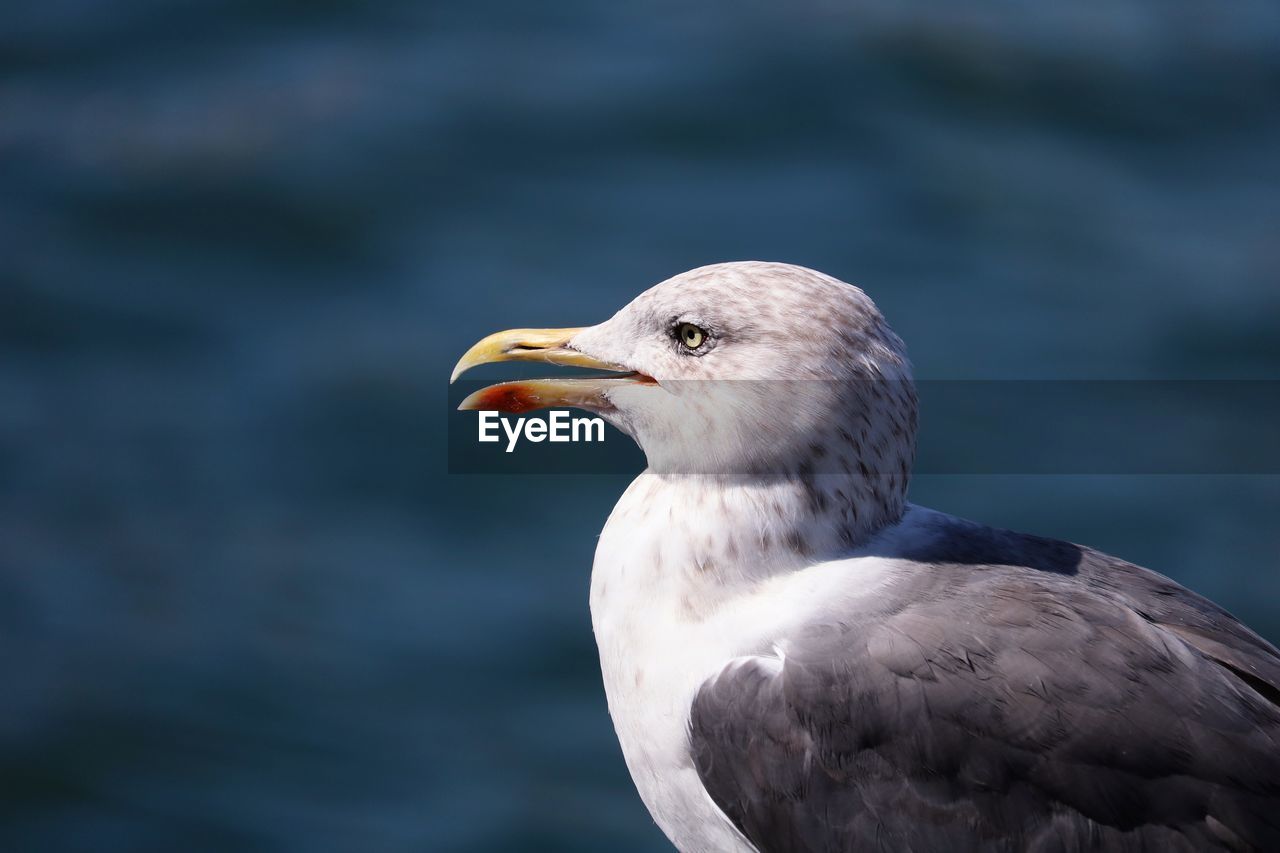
[{"x": 243, "y": 606}]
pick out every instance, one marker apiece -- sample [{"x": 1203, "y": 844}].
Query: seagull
[{"x": 796, "y": 658}]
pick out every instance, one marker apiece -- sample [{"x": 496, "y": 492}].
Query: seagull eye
[{"x": 690, "y": 335}]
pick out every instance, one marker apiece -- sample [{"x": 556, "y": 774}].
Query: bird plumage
[
  {"x": 796, "y": 659},
  {"x": 1004, "y": 692}
]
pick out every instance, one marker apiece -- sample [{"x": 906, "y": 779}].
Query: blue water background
[{"x": 243, "y": 606}]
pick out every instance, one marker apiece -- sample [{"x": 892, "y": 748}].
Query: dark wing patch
[{"x": 1000, "y": 707}]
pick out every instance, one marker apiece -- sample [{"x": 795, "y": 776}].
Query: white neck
[
  {"x": 681, "y": 585},
  {"x": 719, "y": 531}
]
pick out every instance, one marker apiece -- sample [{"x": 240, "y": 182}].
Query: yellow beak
[
  {"x": 547, "y": 345},
  {"x": 550, "y": 346}
]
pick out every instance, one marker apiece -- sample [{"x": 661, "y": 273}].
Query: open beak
[{"x": 550, "y": 346}]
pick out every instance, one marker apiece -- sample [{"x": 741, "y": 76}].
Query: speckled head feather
[{"x": 798, "y": 378}]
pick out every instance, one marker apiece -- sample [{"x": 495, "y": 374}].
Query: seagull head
[{"x": 742, "y": 368}]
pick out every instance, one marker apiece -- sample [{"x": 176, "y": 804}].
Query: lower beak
[
  {"x": 589, "y": 393},
  {"x": 550, "y": 346}
]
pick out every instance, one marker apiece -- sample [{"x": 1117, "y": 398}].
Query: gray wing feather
[{"x": 1029, "y": 695}]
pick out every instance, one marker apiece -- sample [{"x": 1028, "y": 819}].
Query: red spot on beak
[{"x": 511, "y": 397}]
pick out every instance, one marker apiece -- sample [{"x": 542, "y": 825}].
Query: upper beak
[{"x": 550, "y": 346}]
